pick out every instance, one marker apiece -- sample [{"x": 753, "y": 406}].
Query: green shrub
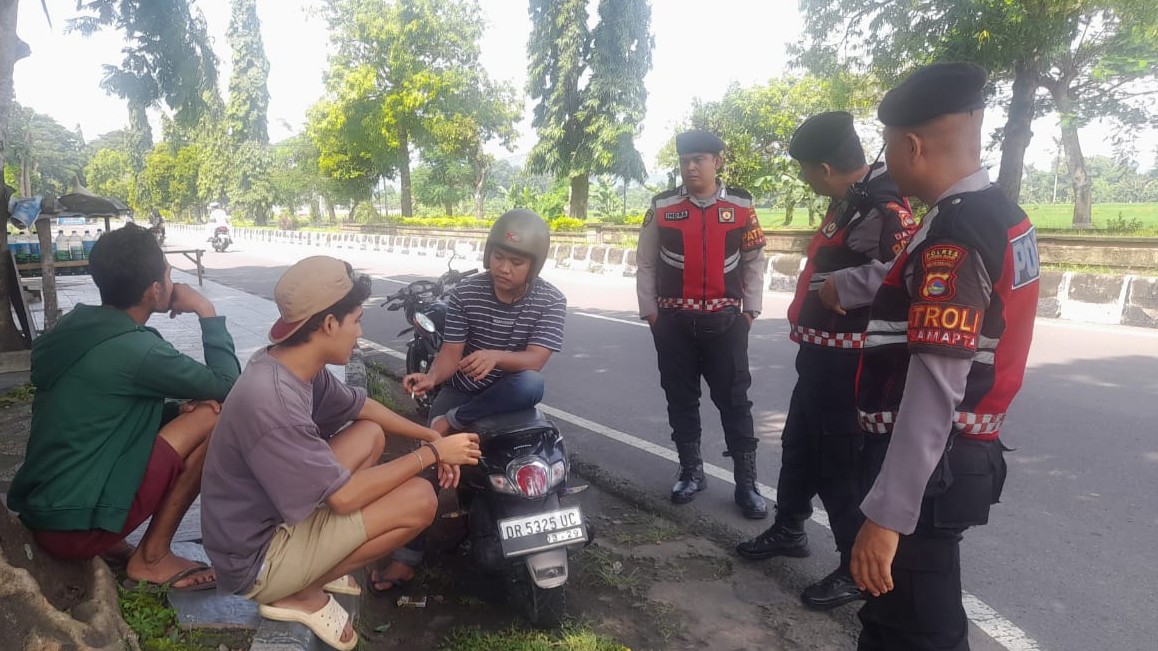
[
  {"x": 1120, "y": 224},
  {"x": 287, "y": 221},
  {"x": 366, "y": 213},
  {"x": 568, "y": 225},
  {"x": 445, "y": 222},
  {"x": 633, "y": 220}
]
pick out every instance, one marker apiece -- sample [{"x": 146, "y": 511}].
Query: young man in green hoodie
[{"x": 109, "y": 447}]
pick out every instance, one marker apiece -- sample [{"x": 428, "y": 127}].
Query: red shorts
[{"x": 160, "y": 475}]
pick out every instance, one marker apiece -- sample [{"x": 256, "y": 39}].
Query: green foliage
[
  {"x": 571, "y": 637},
  {"x": 589, "y": 91},
  {"x": 148, "y": 614},
  {"x": 45, "y": 157},
  {"x": 251, "y": 189},
  {"x": 246, "y": 115},
  {"x": 443, "y": 182},
  {"x": 366, "y": 213},
  {"x": 17, "y": 395},
  {"x": 445, "y": 222},
  {"x": 1127, "y": 218},
  {"x": 404, "y": 75},
  {"x": 110, "y": 173},
  {"x": 567, "y": 225}
]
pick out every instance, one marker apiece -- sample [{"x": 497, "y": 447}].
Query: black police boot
[
  {"x": 833, "y": 590},
  {"x": 778, "y": 540},
  {"x": 691, "y": 480},
  {"x": 747, "y": 497}
]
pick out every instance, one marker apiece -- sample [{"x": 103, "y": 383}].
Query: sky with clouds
[{"x": 62, "y": 76}]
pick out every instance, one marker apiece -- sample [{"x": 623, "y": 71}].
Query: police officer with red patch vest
[
  {"x": 944, "y": 355},
  {"x": 700, "y": 283},
  {"x": 868, "y": 222}
]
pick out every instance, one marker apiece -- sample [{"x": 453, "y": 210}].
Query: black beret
[
  {"x": 821, "y": 136},
  {"x": 698, "y": 142},
  {"x": 933, "y": 91}
]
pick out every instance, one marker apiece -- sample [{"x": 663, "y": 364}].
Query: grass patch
[
  {"x": 572, "y": 637},
  {"x": 148, "y": 613},
  {"x": 603, "y": 568},
  {"x": 1108, "y": 218},
  {"x": 17, "y": 395},
  {"x": 639, "y": 528},
  {"x": 378, "y": 386}
]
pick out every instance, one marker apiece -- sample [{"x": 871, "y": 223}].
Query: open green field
[{"x": 1132, "y": 216}]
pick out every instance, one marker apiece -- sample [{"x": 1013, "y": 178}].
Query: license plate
[{"x": 534, "y": 533}]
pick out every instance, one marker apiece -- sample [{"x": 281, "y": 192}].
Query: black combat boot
[
  {"x": 691, "y": 480},
  {"x": 833, "y": 590},
  {"x": 747, "y": 497},
  {"x": 779, "y": 540}
]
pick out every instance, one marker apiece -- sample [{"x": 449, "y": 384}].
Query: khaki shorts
[{"x": 302, "y": 554}]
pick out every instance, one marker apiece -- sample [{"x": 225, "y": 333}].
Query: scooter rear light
[
  {"x": 532, "y": 479},
  {"x": 558, "y": 473}
]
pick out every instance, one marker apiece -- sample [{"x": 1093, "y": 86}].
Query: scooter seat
[{"x": 513, "y": 421}]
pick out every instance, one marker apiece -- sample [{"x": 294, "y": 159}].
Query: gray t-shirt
[{"x": 269, "y": 463}]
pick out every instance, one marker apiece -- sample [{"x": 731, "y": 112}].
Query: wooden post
[{"x": 47, "y": 264}]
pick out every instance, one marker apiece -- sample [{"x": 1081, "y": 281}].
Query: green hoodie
[{"x": 101, "y": 383}]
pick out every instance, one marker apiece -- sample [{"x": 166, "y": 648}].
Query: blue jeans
[{"x": 512, "y": 392}]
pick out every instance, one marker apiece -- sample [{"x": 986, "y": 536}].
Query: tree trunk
[
  {"x": 404, "y": 175},
  {"x": 580, "y": 189},
  {"x": 333, "y": 213},
  {"x": 1076, "y": 162},
  {"x": 315, "y": 211},
  {"x": 11, "y": 50},
  {"x": 47, "y": 273},
  {"x": 1018, "y": 131}
]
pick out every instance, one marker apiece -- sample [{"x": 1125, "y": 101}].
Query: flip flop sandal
[
  {"x": 148, "y": 586},
  {"x": 327, "y": 623},
  {"x": 343, "y": 585},
  {"x": 395, "y": 584}
]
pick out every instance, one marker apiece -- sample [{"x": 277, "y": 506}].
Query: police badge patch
[
  {"x": 727, "y": 215},
  {"x": 648, "y": 216}
]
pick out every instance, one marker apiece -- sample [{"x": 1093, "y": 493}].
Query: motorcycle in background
[
  {"x": 423, "y": 302},
  {"x": 221, "y": 239}
]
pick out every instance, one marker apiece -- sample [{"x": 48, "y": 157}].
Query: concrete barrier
[{"x": 1110, "y": 299}]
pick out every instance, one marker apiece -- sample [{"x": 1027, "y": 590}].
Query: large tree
[
  {"x": 12, "y": 49},
  {"x": 397, "y": 68},
  {"x": 588, "y": 85},
  {"x": 251, "y": 193},
  {"x": 1089, "y": 54},
  {"x": 42, "y": 156}
]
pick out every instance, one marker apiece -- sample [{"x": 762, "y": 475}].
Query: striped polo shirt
[{"x": 474, "y": 316}]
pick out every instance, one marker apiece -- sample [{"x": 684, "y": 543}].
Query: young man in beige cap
[{"x": 294, "y": 499}]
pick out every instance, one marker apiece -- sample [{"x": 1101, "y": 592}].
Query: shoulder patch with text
[
  {"x": 1026, "y": 264},
  {"x": 940, "y": 263},
  {"x": 753, "y": 234},
  {"x": 950, "y": 326}
]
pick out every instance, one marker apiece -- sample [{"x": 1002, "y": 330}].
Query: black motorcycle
[
  {"x": 423, "y": 302},
  {"x": 519, "y": 529}
]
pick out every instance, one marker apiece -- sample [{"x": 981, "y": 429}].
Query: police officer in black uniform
[
  {"x": 700, "y": 283},
  {"x": 944, "y": 355},
  {"x": 868, "y": 222}
]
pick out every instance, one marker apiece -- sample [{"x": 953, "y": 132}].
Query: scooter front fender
[{"x": 548, "y": 569}]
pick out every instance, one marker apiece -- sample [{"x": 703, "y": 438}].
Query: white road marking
[
  {"x": 641, "y": 324},
  {"x": 1004, "y": 632}
]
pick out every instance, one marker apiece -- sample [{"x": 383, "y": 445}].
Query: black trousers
[
  {"x": 714, "y": 346},
  {"x": 924, "y": 609},
  {"x": 821, "y": 445}
]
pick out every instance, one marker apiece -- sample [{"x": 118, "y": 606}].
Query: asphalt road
[{"x": 1066, "y": 557}]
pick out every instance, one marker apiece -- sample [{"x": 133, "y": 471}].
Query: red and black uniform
[
  {"x": 944, "y": 356},
  {"x": 700, "y": 265},
  {"x": 822, "y": 438}
]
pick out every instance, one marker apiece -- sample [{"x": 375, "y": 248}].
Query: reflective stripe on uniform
[
  {"x": 846, "y": 340},
  {"x": 968, "y": 424},
  {"x": 710, "y": 305}
]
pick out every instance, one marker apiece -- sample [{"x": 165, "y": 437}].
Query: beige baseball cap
[{"x": 305, "y": 289}]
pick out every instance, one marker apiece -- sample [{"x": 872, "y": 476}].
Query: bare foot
[
  {"x": 395, "y": 573},
  {"x": 311, "y": 601},
  {"x": 166, "y": 567}
]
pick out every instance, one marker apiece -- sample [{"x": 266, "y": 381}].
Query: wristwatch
[{"x": 753, "y": 313}]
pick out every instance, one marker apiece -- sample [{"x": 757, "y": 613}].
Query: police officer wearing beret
[
  {"x": 868, "y": 222},
  {"x": 944, "y": 355},
  {"x": 700, "y": 283}
]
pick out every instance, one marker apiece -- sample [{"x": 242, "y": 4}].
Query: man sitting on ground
[
  {"x": 294, "y": 500},
  {"x": 106, "y": 451}
]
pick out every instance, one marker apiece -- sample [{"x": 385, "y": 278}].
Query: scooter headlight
[{"x": 424, "y": 322}]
